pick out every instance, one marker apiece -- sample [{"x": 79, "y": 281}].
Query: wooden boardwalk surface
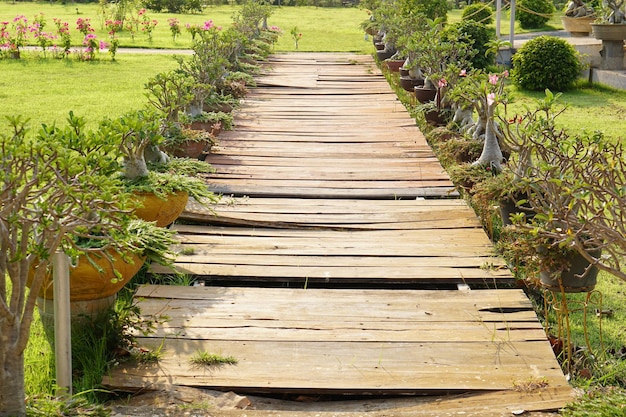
[
  {"x": 327, "y": 272},
  {"x": 319, "y": 127}
]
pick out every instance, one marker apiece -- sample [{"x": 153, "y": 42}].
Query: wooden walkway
[{"x": 328, "y": 273}]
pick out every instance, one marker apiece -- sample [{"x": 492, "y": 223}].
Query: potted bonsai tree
[
  {"x": 578, "y": 18},
  {"x": 161, "y": 196},
  {"x": 577, "y": 192}
]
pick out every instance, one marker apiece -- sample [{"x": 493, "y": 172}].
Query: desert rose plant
[{"x": 55, "y": 186}]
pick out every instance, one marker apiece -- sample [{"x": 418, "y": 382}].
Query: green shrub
[
  {"x": 174, "y": 6},
  {"x": 546, "y": 62},
  {"x": 432, "y": 9},
  {"x": 478, "y": 12},
  {"x": 533, "y": 14},
  {"x": 476, "y": 35}
]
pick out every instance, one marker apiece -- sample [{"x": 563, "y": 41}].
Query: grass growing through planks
[{"x": 204, "y": 358}]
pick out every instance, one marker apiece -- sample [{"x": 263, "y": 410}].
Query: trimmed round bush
[
  {"x": 432, "y": 9},
  {"x": 546, "y": 62},
  {"x": 533, "y": 14},
  {"x": 477, "y": 35},
  {"x": 478, "y": 12}
]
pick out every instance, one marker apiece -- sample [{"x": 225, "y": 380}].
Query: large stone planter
[
  {"x": 612, "y": 37},
  {"x": 609, "y": 31},
  {"x": 578, "y": 26}
]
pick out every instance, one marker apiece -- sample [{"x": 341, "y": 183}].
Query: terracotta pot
[
  {"x": 437, "y": 118},
  {"x": 394, "y": 65},
  {"x": 577, "y": 26},
  {"x": 425, "y": 95},
  {"x": 187, "y": 149},
  {"x": 163, "y": 212},
  {"x": 98, "y": 277},
  {"x": 571, "y": 281},
  {"x": 385, "y": 54},
  {"x": 409, "y": 84},
  {"x": 217, "y": 107},
  {"x": 206, "y": 126}
]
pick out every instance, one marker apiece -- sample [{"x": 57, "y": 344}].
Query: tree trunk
[
  {"x": 12, "y": 395},
  {"x": 479, "y": 128},
  {"x": 491, "y": 155},
  {"x": 135, "y": 168}
]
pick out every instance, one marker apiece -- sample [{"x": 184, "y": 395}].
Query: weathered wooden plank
[
  {"x": 363, "y": 189},
  {"x": 357, "y": 367},
  {"x": 380, "y": 164},
  {"x": 351, "y": 307},
  {"x": 261, "y": 173},
  {"x": 310, "y": 328},
  {"x": 209, "y": 257},
  {"x": 533, "y": 402}
]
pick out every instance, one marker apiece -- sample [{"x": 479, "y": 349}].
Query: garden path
[{"x": 342, "y": 264}]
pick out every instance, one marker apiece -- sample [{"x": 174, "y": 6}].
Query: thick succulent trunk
[
  {"x": 135, "y": 168},
  {"x": 479, "y": 128},
  {"x": 463, "y": 118},
  {"x": 12, "y": 394},
  {"x": 491, "y": 155}
]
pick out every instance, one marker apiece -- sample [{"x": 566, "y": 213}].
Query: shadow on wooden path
[{"x": 342, "y": 264}]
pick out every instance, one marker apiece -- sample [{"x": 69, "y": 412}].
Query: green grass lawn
[
  {"x": 47, "y": 89},
  {"x": 323, "y": 29}
]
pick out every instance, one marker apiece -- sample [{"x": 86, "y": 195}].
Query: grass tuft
[{"x": 203, "y": 358}]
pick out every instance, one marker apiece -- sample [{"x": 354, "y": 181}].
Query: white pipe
[
  {"x": 62, "y": 322},
  {"x": 512, "y": 33},
  {"x": 498, "y": 15}
]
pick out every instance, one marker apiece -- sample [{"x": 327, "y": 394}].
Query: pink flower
[
  {"x": 491, "y": 98},
  {"x": 208, "y": 25},
  {"x": 463, "y": 73},
  {"x": 103, "y": 45},
  {"x": 505, "y": 73},
  {"x": 442, "y": 83},
  {"x": 493, "y": 79}
]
